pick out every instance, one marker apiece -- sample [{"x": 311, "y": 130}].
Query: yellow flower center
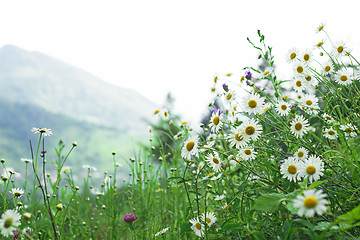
[
  {"x": 208, "y": 220},
  {"x": 266, "y": 73},
  {"x": 299, "y": 69},
  {"x": 340, "y": 49},
  {"x": 319, "y": 44},
  {"x": 320, "y": 28},
  {"x": 17, "y": 194},
  {"x": 327, "y": 68},
  {"x": 198, "y": 226},
  {"x": 331, "y": 132},
  {"x": 348, "y": 130},
  {"x": 300, "y": 154},
  {"x": 310, "y": 202},
  {"x": 292, "y": 169},
  {"x": 190, "y": 145},
  {"x": 247, "y": 152},
  {"x": 215, "y": 79},
  {"x": 308, "y": 78},
  {"x": 292, "y": 56},
  {"x": 343, "y": 78},
  {"x": 215, "y": 161},
  {"x": 156, "y": 112},
  {"x": 328, "y": 118},
  {"x": 306, "y": 57},
  {"x": 249, "y": 130},
  {"x": 216, "y": 120},
  {"x": 252, "y": 103},
  {"x": 298, "y": 126},
  {"x": 310, "y": 170},
  {"x": 283, "y": 107},
  {"x": 228, "y": 97},
  {"x": 239, "y": 137},
  {"x": 8, "y": 222},
  {"x": 298, "y": 83},
  {"x": 308, "y": 102}
]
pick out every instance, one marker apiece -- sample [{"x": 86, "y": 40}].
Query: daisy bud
[
  {"x": 77, "y": 188},
  {"x": 171, "y": 122},
  {"x": 113, "y": 153},
  {"x": 74, "y": 144},
  {"x": 4, "y": 178},
  {"x": 2, "y": 160},
  {"x": 27, "y": 215},
  {"x": 59, "y": 207}
]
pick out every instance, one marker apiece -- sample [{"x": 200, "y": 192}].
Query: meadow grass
[{"x": 277, "y": 159}]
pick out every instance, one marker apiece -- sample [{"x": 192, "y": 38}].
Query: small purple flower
[
  {"x": 225, "y": 87},
  {"x": 293, "y": 107},
  {"x": 129, "y": 218},
  {"x": 258, "y": 87},
  {"x": 217, "y": 110},
  {"x": 248, "y": 75},
  {"x": 293, "y": 217},
  {"x": 16, "y": 234}
]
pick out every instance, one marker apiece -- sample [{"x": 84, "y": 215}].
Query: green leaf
[
  {"x": 316, "y": 183},
  {"x": 350, "y": 217},
  {"x": 269, "y": 202}
]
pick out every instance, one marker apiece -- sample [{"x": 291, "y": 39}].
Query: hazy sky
[{"x": 157, "y": 47}]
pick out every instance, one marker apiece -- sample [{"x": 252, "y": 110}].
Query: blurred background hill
[{"x": 40, "y": 91}]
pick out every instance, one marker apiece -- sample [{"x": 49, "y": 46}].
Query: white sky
[{"x": 156, "y": 46}]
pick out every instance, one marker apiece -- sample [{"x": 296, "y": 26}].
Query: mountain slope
[{"x": 32, "y": 77}]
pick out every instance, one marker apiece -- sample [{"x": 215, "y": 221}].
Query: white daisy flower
[
  {"x": 190, "y": 148},
  {"x": 17, "y": 192},
  {"x": 299, "y": 68},
  {"x": 301, "y": 154},
  {"x": 310, "y": 103},
  {"x": 253, "y": 103},
  {"x": 311, "y": 202},
  {"x": 339, "y": 49},
  {"x": 216, "y": 177},
  {"x": 299, "y": 126},
  {"x": 216, "y": 121},
  {"x": 308, "y": 80},
  {"x": 266, "y": 72},
  {"x": 9, "y": 220},
  {"x": 330, "y": 133},
  {"x": 200, "y": 166},
  {"x": 282, "y": 108},
  {"x": 289, "y": 169},
  {"x": 209, "y": 218},
  {"x": 251, "y": 128},
  {"x": 292, "y": 54},
  {"x": 327, "y": 68},
  {"x": 237, "y": 138},
  {"x": 44, "y": 131},
  {"x": 312, "y": 168},
  {"x": 247, "y": 153},
  {"x": 229, "y": 96},
  {"x": 208, "y": 176},
  {"x": 344, "y": 77},
  {"x": 26, "y": 160},
  {"x": 320, "y": 27},
  {"x": 214, "y": 161},
  {"x": 349, "y": 130},
  {"x": 197, "y": 227},
  {"x": 219, "y": 197},
  {"x": 307, "y": 56},
  {"x": 299, "y": 84},
  {"x": 328, "y": 118}
]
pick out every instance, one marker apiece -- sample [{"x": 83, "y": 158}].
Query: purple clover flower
[
  {"x": 293, "y": 217},
  {"x": 129, "y": 218},
  {"x": 217, "y": 110},
  {"x": 225, "y": 87},
  {"x": 248, "y": 75}
]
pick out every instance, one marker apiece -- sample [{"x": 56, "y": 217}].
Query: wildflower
[
  {"x": 248, "y": 75},
  {"x": 197, "y": 227},
  {"x": 225, "y": 87},
  {"x": 307, "y": 56},
  {"x": 190, "y": 148},
  {"x": 327, "y": 68},
  {"x": 289, "y": 169},
  {"x": 201, "y": 165},
  {"x": 320, "y": 27},
  {"x": 26, "y": 160},
  {"x": 328, "y": 118},
  {"x": 9, "y": 220},
  {"x": 229, "y": 96},
  {"x": 129, "y": 218},
  {"x": 311, "y": 202},
  {"x": 247, "y": 153},
  {"x": 17, "y": 192},
  {"x": 349, "y": 130},
  {"x": 339, "y": 49},
  {"x": 282, "y": 108},
  {"x": 89, "y": 167},
  {"x": 214, "y": 161},
  {"x": 299, "y": 126},
  {"x": 216, "y": 121},
  {"x": 216, "y": 177},
  {"x": 299, "y": 68},
  {"x": 251, "y": 128},
  {"x": 43, "y": 131},
  {"x": 298, "y": 84},
  {"x": 292, "y": 55},
  {"x": 253, "y": 103},
  {"x": 59, "y": 207},
  {"x": 209, "y": 218},
  {"x": 219, "y": 197},
  {"x": 343, "y": 77},
  {"x": 301, "y": 154},
  {"x": 309, "y": 80},
  {"x": 312, "y": 168},
  {"x": 237, "y": 138},
  {"x": 330, "y": 133},
  {"x": 267, "y": 71},
  {"x": 310, "y": 102},
  {"x": 162, "y": 232}
]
